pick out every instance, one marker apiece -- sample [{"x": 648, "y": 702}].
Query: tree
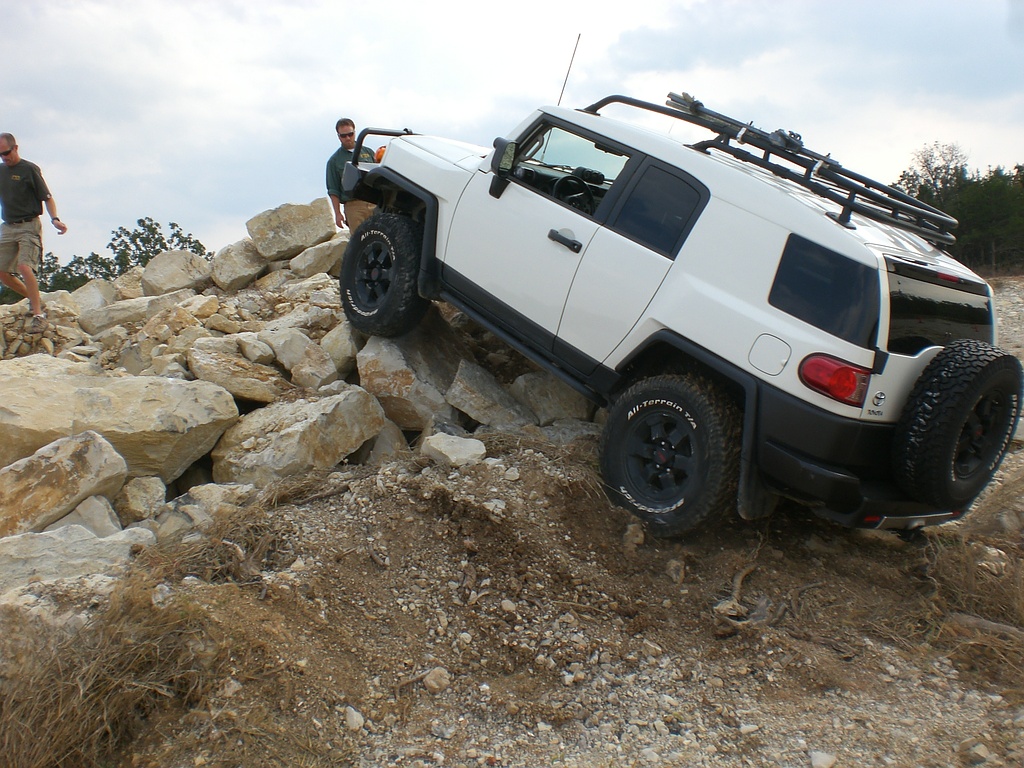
[
  {"x": 135, "y": 248},
  {"x": 938, "y": 173},
  {"x": 989, "y": 207}
]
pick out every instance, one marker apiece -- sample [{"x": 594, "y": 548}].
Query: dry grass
[
  {"x": 76, "y": 697},
  {"x": 72, "y": 698},
  {"x": 979, "y": 605}
]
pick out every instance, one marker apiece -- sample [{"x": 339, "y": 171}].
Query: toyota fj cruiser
[{"x": 760, "y": 321}]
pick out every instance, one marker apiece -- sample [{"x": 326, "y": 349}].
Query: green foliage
[
  {"x": 130, "y": 249},
  {"x": 989, "y": 206}
]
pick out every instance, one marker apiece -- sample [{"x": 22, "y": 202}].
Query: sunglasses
[
  {"x": 8, "y": 152},
  {"x": 340, "y": 135}
]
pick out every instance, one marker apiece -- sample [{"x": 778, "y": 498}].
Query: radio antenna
[{"x": 569, "y": 69}]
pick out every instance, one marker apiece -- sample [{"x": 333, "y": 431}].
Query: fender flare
[{"x": 429, "y": 280}]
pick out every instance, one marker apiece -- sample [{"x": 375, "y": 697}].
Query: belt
[{"x": 23, "y": 221}]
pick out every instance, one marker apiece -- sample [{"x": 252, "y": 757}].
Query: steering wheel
[{"x": 581, "y": 199}]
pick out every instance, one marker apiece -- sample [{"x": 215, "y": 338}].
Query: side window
[
  {"x": 568, "y": 167},
  {"x": 826, "y": 289},
  {"x": 659, "y": 210}
]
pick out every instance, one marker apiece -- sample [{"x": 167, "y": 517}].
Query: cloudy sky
[{"x": 208, "y": 112}]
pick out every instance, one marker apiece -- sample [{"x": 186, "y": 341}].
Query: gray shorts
[{"x": 20, "y": 244}]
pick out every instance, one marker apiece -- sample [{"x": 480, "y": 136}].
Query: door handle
[{"x": 573, "y": 245}]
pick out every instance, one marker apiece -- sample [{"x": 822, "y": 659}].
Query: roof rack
[{"x": 784, "y": 155}]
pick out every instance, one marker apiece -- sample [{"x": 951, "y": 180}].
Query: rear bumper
[{"x": 840, "y": 467}]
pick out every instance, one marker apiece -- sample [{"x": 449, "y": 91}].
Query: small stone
[
  {"x": 822, "y": 760},
  {"x": 353, "y": 719},
  {"x": 508, "y": 606},
  {"x": 437, "y": 680},
  {"x": 748, "y": 728}
]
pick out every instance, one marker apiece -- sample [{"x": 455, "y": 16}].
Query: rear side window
[
  {"x": 828, "y": 290},
  {"x": 659, "y": 210}
]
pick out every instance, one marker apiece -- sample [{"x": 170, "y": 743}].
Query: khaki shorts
[
  {"x": 20, "y": 244},
  {"x": 356, "y": 212}
]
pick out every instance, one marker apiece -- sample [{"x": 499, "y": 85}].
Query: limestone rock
[
  {"x": 140, "y": 498},
  {"x": 94, "y": 294},
  {"x": 255, "y": 350},
  {"x": 550, "y": 398},
  {"x": 95, "y": 514},
  {"x": 42, "y": 488},
  {"x": 201, "y": 506},
  {"x": 160, "y": 426},
  {"x": 314, "y": 369},
  {"x": 173, "y": 270},
  {"x": 324, "y": 258},
  {"x": 284, "y": 439},
  {"x": 129, "y": 284},
  {"x": 453, "y": 450},
  {"x": 65, "y": 553},
  {"x": 235, "y": 266},
  {"x": 410, "y": 374},
  {"x": 478, "y": 394},
  {"x": 244, "y": 379},
  {"x": 341, "y": 344},
  {"x": 287, "y": 230},
  {"x": 389, "y": 444},
  {"x": 129, "y": 311},
  {"x": 289, "y": 345}
]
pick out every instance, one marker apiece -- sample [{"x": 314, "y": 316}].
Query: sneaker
[{"x": 37, "y": 324}]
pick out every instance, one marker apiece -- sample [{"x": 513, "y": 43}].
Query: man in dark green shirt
[
  {"x": 355, "y": 211},
  {"x": 23, "y": 193}
]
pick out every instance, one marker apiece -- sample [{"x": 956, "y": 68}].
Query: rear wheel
[
  {"x": 957, "y": 424},
  {"x": 670, "y": 452},
  {"x": 379, "y": 276}
]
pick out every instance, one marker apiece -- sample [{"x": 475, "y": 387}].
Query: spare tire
[{"x": 957, "y": 423}]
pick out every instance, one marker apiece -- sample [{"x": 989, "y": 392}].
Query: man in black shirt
[{"x": 23, "y": 193}]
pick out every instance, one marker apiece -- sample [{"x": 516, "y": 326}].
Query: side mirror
[
  {"x": 501, "y": 163},
  {"x": 503, "y": 157}
]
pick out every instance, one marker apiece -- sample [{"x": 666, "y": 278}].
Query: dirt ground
[
  {"x": 505, "y": 614},
  {"x": 566, "y": 638}
]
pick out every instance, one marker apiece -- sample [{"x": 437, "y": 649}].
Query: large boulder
[
  {"x": 550, "y": 398},
  {"x": 478, "y": 394},
  {"x": 44, "y": 487},
  {"x": 173, "y": 270},
  {"x": 289, "y": 229},
  {"x": 230, "y": 369},
  {"x": 322, "y": 258},
  {"x": 237, "y": 265},
  {"x": 410, "y": 374},
  {"x": 288, "y": 438},
  {"x": 129, "y": 311},
  {"x": 160, "y": 426},
  {"x": 65, "y": 553},
  {"x": 94, "y": 294}
]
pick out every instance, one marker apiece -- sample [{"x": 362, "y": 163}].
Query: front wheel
[
  {"x": 379, "y": 276},
  {"x": 670, "y": 452}
]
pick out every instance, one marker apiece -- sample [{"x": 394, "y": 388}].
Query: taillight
[
  {"x": 835, "y": 378},
  {"x": 379, "y": 154}
]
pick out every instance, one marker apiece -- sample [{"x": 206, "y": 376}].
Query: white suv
[{"x": 759, "y": 321}]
